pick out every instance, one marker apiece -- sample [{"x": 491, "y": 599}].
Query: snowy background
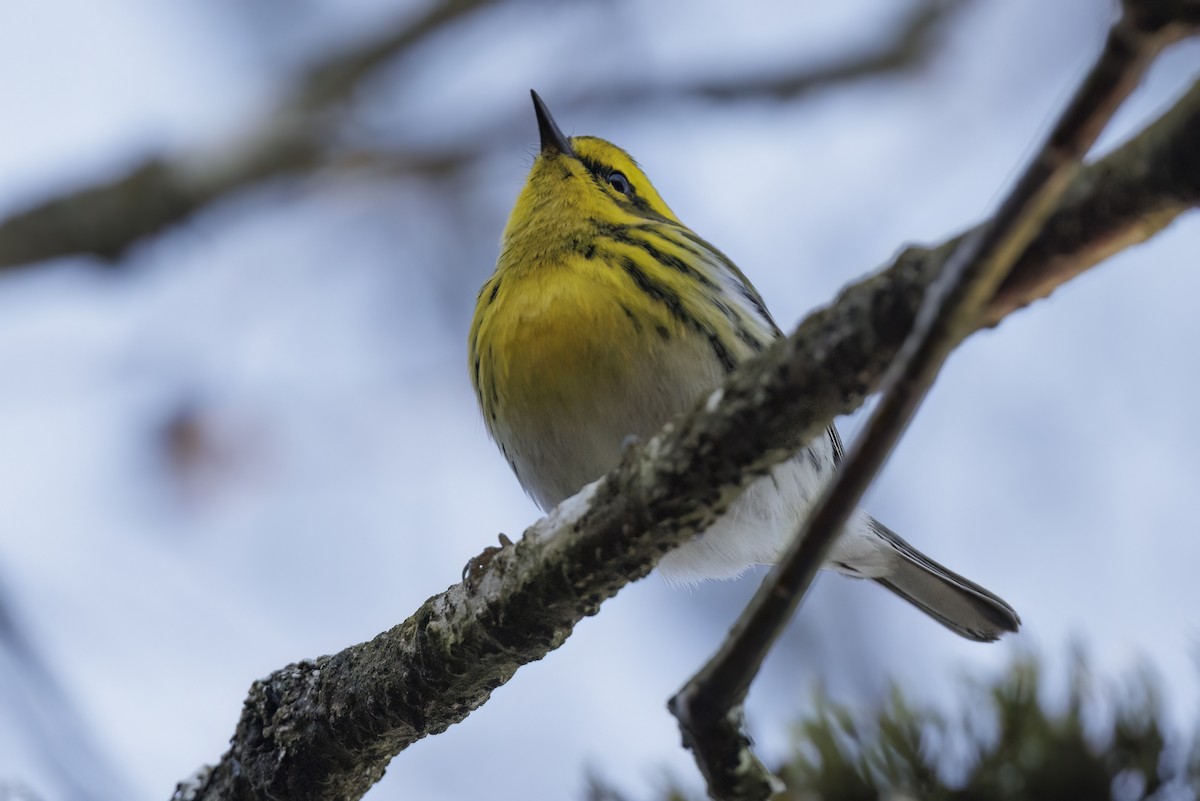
[{"x": 254, "y": 441}]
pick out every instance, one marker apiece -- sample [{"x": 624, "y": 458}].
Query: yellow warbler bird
[{"x": 607, "y": 317}]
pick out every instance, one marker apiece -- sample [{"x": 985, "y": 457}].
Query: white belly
[{"x": 762, "y": 522}]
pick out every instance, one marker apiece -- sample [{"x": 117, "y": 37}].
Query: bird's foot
[{"x": 478, "y": 565}]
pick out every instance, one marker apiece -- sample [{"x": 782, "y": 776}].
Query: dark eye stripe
[
  {"x": 603, "y": 173},
  {"x": 632, "y": 203},
  {"x": 597, "y": 169}
]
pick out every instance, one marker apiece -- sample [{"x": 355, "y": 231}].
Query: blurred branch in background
[
  {"x": 911, "y": 46},
  {"x": 328, "y": 728},
  {"x": 15, "y": 791},
  {"x": 300, "y": 136},
  {"x": 105, "y": 220},
  {"x": 1009, "y": 742},
  {"x": 56, "y": 733}
]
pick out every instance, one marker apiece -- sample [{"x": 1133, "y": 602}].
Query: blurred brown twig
[
  {"x": 107, "y": 219},
  {"x": 299, "y": 136}
]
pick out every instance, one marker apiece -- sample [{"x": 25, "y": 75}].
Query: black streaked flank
[
  {"x": 739, "y": 327},
  {"x": 701, "y": 249},
  {"x": 623, "y": 234},
  {"x": 736, "y": 321},
  {"x": 748, "y": 338},
  {"x": 663, "y": 332},
  {"x": 673, "y": 303},
  {"x": 637, "y": 326},
  {"x": 664, "y": 231},
  {"x": 495, "y": 289},
  {"x": 657, "y": 291},
  {"x": 672, "y": 262},
  {"x": 744, "y": 287},
  {"x": 640, "y": 207},
  {"x": 727, "y": 361}
]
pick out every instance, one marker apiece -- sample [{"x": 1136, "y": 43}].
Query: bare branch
[
  {"x": 1120, "y": 201},
  {"x": 909, "y": 48},
  {"x": 709, "y": 706},
  {"x": 107, "y": 219},
  {"x": 335, "y": 79},
  {"x": 327, "y": 728}
]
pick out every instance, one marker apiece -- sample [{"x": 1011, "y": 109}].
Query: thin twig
[{"x": 709, "y": 706}]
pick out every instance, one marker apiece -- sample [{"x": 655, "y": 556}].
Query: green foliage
[
  {"x": 1007, "y": 744},
  {"x": 1032, "y": 753}
]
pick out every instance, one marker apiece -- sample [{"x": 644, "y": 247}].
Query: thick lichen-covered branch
[{"x": 327, "y": 728}]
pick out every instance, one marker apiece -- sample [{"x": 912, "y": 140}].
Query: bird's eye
[{"x": 620, "y": 183}]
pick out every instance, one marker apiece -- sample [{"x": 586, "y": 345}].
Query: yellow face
[
  {"x": 596, "y": 324},
  {"x": 606, "y": 316},
  {"x": 564, "y": 197}
]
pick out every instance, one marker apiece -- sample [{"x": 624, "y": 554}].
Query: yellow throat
[{"x": 605, "y": 318}]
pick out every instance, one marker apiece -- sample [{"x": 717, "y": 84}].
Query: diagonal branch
[
  {"x": 107, "y": 219},
  {"x": 709, "y": 706},
  {"x": 327, "y": 728}
]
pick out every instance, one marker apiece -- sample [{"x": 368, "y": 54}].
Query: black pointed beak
[{"x": 553, "y": 140}]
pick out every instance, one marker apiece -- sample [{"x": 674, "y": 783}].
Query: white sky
[{"x": 320, "y": 329}]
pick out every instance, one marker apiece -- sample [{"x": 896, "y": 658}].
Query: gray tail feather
[{"x": 957, "y": 603}]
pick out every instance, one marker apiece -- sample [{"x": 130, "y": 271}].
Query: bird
[{"x": 606, "y": 318}]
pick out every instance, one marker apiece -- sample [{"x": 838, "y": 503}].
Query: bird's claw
[{"x": 474, "y": 569}]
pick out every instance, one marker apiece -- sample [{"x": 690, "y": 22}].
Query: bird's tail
[{"x": 957, "y": 603}]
